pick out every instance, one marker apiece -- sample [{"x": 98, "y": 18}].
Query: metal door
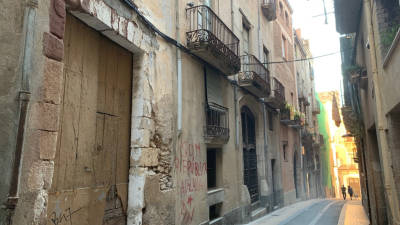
[{"x": 249, "y": 154}]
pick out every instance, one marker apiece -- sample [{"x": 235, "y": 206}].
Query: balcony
[
  {"x": 268, "y": 8},
  {"x": 277, "y": 97},
  {"x": 254, "y": 77},
  {"x": 306, "y": 137},
  {"x": 347, "y": 12},
  {"x": 316, "y": 108},
  {"x": 303, "y": 98},
  {"x": 289, "y": 120},
  {"x": 211, "y": 40},
  {"x": 217, "y": 127}
]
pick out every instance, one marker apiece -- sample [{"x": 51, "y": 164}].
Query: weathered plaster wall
[{"x": 11, "y": 46}]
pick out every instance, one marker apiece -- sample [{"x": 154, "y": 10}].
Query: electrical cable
[
  {"x": 305, "y": 59},
  {"x": 155, "y": 29},
  {"x": 186, "y": 50}
]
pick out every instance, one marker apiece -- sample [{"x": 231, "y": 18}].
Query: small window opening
[
  {"x": 285, "y": 158},
  {"x": 287, "y": 18},
  {"x": 211, "y": 168},
  {"x": 214, "y": 168},
  {"x": 270, "y": 121},
  {"x": 215, "y": 211}
]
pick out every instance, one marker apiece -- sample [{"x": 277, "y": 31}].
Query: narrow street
[
  {"x": 200, "y": 112},
  {"x": 317, "y": 212}
]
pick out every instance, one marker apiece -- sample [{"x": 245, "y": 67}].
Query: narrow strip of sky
[{"x": 308, "y": 15}]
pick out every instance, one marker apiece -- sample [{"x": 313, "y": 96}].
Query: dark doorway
[
  {"x": 378, "y": 188},
  {"x": 295, "y": 174},
  {"x": 273, "y": 171},
  {"x": 249, "y": 154}
]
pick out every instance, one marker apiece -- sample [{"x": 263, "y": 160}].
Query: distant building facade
[
  {"x": 344, "y": 168},
  {"x": 309, "y": 108}
]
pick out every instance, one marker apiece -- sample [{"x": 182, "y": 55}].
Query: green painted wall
[{"x": 325, "y": 148}]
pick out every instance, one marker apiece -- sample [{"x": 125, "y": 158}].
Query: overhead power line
[
  {"x": 324, "y": 14},
  {"x": 299, "y": 60},
  {"x": 305, "y": 59}
]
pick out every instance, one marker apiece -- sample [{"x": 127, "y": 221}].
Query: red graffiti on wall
[
  {"x": 189, "y": 160},
  {"x": 191, "y": 167},
  {"x": 190, "y": 185},
  {"x": 187, "y": 211}
]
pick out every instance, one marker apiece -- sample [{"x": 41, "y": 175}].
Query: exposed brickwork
[
  {"x": 40, "y": 175},
  {"x": 81, "y": 5},
  {"x": 53, "y": 47},
  {"x": 57, "y": 18},
  {"x": 45, "y": 116},
  {"x": 51, "y": 87},
  {"x": 47, "y": 144},
  {"x": 164, "y": 167}
]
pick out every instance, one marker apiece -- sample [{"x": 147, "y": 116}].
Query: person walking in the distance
[
  {"x": 350, "y": 190},
  {"x": 344, "y": 192}
]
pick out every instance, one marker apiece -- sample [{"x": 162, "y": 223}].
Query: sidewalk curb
[{"x": 342, "y": 214}]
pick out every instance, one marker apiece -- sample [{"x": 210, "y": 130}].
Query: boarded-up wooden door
[{"x": 92, "y": 161}]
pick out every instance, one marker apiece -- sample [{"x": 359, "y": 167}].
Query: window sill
[
  {"x": 388, "y": 56},
  {"x": 216, "y": 221},
  {"x": 215, "y": 196}
]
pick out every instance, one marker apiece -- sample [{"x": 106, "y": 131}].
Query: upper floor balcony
[
  {"x": 306, "y": 137},
  {"x": 316, "y": 108},
  {"x": 303, "y": 98},
  {"x": 277, "y": 98},
  {"x": 269, "y": 9},
  {"x": 254, "y": 77},
  {"x": 217, "y": 127},
  {"x": 211, "y": 40}
]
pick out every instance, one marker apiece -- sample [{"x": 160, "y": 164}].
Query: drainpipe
[
  {"x": 381, "y": 123},
  {"x": 259, "y": 30},
  {"x": 179, "y": 70},
  {"x": 24, "y": 98},
  {"x": 263, "y": 104},
  {"x": 265, "y": 142},
  {"x": 235, "y": 91}
]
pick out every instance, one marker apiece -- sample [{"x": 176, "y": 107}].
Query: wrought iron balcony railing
[
  {"x": 210, "y": 39},
  {"x": 290, "y": 121},
  {"x": 277, "y": 98},
  {"x": 217, "y": 127},
  {"x": 269, "y": 9},
  {"x": 279, "y": 90},
  {"x": 254, "y": 76},
  {"x": 316, "y": 108}
]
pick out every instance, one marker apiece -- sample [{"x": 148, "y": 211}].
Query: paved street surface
[
  {"x": 317, "y": 212},
  {"x": 353, "y": 214}
]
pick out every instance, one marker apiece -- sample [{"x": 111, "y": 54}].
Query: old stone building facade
[
  {"x": 150, "y": 112},
  {"x": 309, "y": 108},
  {"x": 370, "y": 64}
]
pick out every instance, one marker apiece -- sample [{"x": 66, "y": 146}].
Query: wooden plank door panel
[{"x": 93, "y": 149}]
